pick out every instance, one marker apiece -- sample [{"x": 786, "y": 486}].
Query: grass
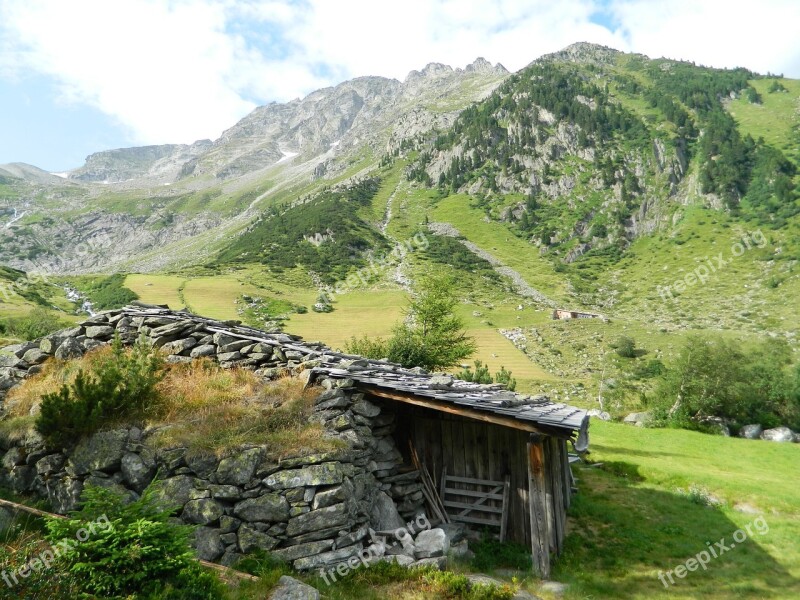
[
  {"x": 630, "y": 521},
  {"x": 774, "y": 118}
]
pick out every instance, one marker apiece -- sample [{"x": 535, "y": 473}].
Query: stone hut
[{"x": 414, "y": 443}]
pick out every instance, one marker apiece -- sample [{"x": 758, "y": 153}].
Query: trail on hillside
[{"x": 521, "y": 287}]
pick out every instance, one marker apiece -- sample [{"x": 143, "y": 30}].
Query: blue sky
[{"x": 87, "y": 75}]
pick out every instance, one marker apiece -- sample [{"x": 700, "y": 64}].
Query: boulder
[
  {"x": 100, "y": 452},
  {"x": 69, "y": 349},
  {"x": 431, "y": 543},
  {"x": 202, "y": 464},
  {"x": 436, "y": 562},
  {"x": 329, "y": 473},
  {"x": 323, "y": 518},
  {"x": 50, "y": 464},
  {"x": 208, "y": 544},
  {"x": 252, "y": 539},
  {"x": 64, "y": 494},
  {"x": 599, "y": 414},
  {"x": 366, "y": 408},
  {"x": 239, "y": 469},
  {"x": 179, "y": 346},
  {"x": 302, "y": 550},
  {"x": 99, "y": 332},
  {"x": 778, "y": 434},
  {"x": 269, "y": 508},
  {"x": 289, "y": 588},
  {"x": 326, "y": 559},
  {"x": 751, "y": 432},
  {"x": 137, "y": 470},
  {"x": 204, "y": 350},
  {"x": 639, "y": 419},
  {"x": 384, "y": 515},
  {"x": 202, "y": 511},
  {"x": 175, "y": 492},
  {"x": 34, "y": 356}
]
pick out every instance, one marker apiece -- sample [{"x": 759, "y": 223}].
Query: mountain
[{"x": 659, "y": 193}]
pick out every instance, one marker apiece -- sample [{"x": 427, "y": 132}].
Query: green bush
[
  {"x": 120, "y": 385},
  {"x": 36, "y": 324},
  {"x": 110, "y": 292},
  {"x": 133, "y": 551},
  {"x": 716, "y": 377},
  {"x": 625, "y": 347}
]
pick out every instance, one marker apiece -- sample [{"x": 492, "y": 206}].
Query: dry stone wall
[{"x": 312, "y": 510}]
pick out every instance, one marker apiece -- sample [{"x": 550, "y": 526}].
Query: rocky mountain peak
[
  {"x": 583, "y": 52},
  {"x": 481, "y": 65}
]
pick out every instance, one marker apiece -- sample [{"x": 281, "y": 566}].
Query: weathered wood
[
  {"x": 504, "y": 517},
  {"x": 537, "y": 500},
  {"x": 473, "y": 493},
  {"x": 471, "y": 508}
]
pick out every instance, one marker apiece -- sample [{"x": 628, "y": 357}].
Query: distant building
[{"x": 561, "y": 313}]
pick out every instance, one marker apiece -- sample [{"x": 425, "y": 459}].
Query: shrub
[
  {"x": 36, "y": 324},
  {"x": 121, "y": 385},
  {"x": 625, "y": 347},
  {"x": 134, "y": 550}
]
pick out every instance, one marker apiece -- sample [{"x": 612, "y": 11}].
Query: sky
[{"x": 87, "y": 75}]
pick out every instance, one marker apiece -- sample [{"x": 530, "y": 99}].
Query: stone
[
  {"x": 778, "y": 434},
  {"x": 269, "y": 508},
  {"x": 365, "y": 408},
  {"x": 234, "y": 346},
  {"x": 126, "y": 496},
  {"x": 99, "y": 331},
  {"x": 453, "y": 531},
  {"x": 21, "y": 478},
  {"x": 204, "y": 350},
  {"x": 751, "y": 432},
  {"x": 239, "y": 469},
  {"x": 322, "y": 518},
  {"x": 333, "y": 495},
  {"x": 639, "y": 419},
  {"x": 384, "y": 515},
  {"x": 175, "y": 492},
  {"x": 179, "y": 346},
  {"x": 14, "y": 457},
  {"x": 289, "y": 588},
  {"x": 207, "y": 543},
  {"x": 228, "y": 524},
  {"x": 34, "y": 356},
  {"x": 64, "y": 494},
  {"x": 229, "y": 357},
  {"x": 400, "y": 559},
  {"x": 225, "y": 492},
  {"x": 313, "y": 475},
  {"x": 251, "y": 539},
  {"x": 435, "y": 562},
  {"x": 599, "y": 414},
  {"x": 50, "y": 464},
  {"x": 431, "y": 543},
  {"x": 202, "y": 511},
  {"x": 223, "y": 339},
  {"x": 100, "y": 452},
  {"x": 326, "y": 559},
  {"x": 202, "y": 465},
  {"x": 302, "y": 550},
  {"x": 137, "y": 471},
  {"x": 69, "y": 349}
]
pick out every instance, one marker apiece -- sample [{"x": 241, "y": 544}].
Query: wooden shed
[{"x": 497, "y": 460}]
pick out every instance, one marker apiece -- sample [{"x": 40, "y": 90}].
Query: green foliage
[
  {"x": 482, "y": 375},
  {"x": 753, "y": 97},
  {"x": 120, "y": 385},
  {"x": 36, "y": 324},
  {"x": 110, "y": 292},
  {"x": 431, "y": 337},
  {"x": 625, "y": 347},
  {"x": 282, "y": 238},
  {"x": 776, "y": 86},
  {"x": 449, "y": 251},
  {"x": 449, "y": 585},
  {"x": 716, "y": 377},
  {"x": 491, "y": 554},
  {"x": 771, "y": 197},
  {"x": 133, "y": 550}
]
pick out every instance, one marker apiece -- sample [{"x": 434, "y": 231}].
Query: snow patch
[{"x": 287, "y": 156}]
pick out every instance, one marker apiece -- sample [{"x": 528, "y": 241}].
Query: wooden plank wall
[{"x": 469, "y": 448}]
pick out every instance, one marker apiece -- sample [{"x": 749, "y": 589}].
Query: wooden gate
[{"x": 476, "y": 501}]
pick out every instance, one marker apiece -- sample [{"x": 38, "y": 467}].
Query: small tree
[{"x": 431, "y": 337}]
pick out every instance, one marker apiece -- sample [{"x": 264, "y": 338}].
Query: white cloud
[
  {"x": 179, "y": 70},
  {"x": 761, "y": 36}
]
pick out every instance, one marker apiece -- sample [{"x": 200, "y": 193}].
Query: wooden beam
[
  {"x": 469, "y": 413},
  {"x": 540, "y": 551}
]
